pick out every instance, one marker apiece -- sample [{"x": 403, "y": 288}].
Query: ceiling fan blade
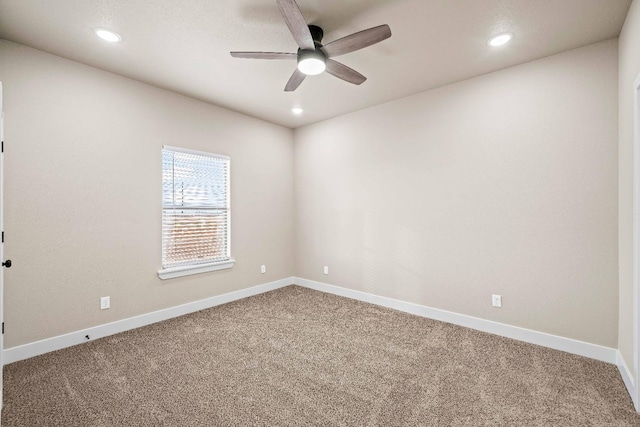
[
  {"x": 343, "y": 72},
  {"x": 294, "y": 81},
  {"x": 264, "y": 55},
  {"x": 296, "y": 23},
  {"x": 357, "y": 41}
]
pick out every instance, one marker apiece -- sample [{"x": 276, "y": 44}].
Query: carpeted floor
[{"x": 296, "y": 357}]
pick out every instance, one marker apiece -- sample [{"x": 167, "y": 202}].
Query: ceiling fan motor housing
[
  {"x": 307, "y": 53},
  {"x": 312, "y": 61}
]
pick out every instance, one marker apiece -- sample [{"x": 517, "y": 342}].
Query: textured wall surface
[
  {"x": 629, "y": 57},
  {"x": 505, "y": 184},
  {"x": 83, "y": 194}
]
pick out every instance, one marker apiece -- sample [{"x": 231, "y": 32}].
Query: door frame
[
  {"x": 1, "y": 243},
  {"x": 635, "y": 393}
]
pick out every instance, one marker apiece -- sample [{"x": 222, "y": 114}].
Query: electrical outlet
[
  {"x": 105, "y": 302},
  {"x": 263, "y": 269},
  {"x": 496, "y": 300},
  {"x": 326, "y": 269}
]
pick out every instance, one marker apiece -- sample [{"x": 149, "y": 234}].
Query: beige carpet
[{"x": 297, "y": 357}]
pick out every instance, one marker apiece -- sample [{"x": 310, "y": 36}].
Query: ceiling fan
[{"x": 313, "y": 57}]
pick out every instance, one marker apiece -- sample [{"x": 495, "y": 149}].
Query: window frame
[{"x": 185, "y": 270}]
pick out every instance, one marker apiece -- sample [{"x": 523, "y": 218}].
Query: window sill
[{"x": 170, "y": 273}]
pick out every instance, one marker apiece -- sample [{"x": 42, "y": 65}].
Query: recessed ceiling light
[
  {"x": 500, "y": 39},
  {"x": 297, "y": 111},
  {"x": 107, "y": 35}
]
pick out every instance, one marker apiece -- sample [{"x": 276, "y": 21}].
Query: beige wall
[
  {"x": 629, "y": 57},
  {"x": 505, "y": 183},
  {"x": 83, "y": 194}
]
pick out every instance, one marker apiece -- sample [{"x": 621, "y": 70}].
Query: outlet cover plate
[{"x": 105, "y": 302}]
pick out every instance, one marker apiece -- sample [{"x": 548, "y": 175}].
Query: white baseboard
[
  {"x": 569, "y": 345},
  {"x": 36, "y": 348},
  {"x": 627, "y": 378},
  {"x": 581, "y": 348}
]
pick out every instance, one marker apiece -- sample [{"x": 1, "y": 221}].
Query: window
[{"x": 195, "y": 212}]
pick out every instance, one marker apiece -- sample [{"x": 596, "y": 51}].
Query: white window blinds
[{"x": 195, "y": 209}]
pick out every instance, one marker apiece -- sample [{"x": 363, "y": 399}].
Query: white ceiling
[{"x": 183, "y": 45}]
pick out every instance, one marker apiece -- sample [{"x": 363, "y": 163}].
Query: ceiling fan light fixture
[
  {"x": 107, "y": 35},
  {"x": 500, "y": 39},
  {"x": 311, "y": 62}
]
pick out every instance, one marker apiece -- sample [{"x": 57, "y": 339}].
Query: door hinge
[
  {"x": 3, "y": 237},
  {"x": 2, "y": 146},
  {"x": 3, "y": 327}
]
